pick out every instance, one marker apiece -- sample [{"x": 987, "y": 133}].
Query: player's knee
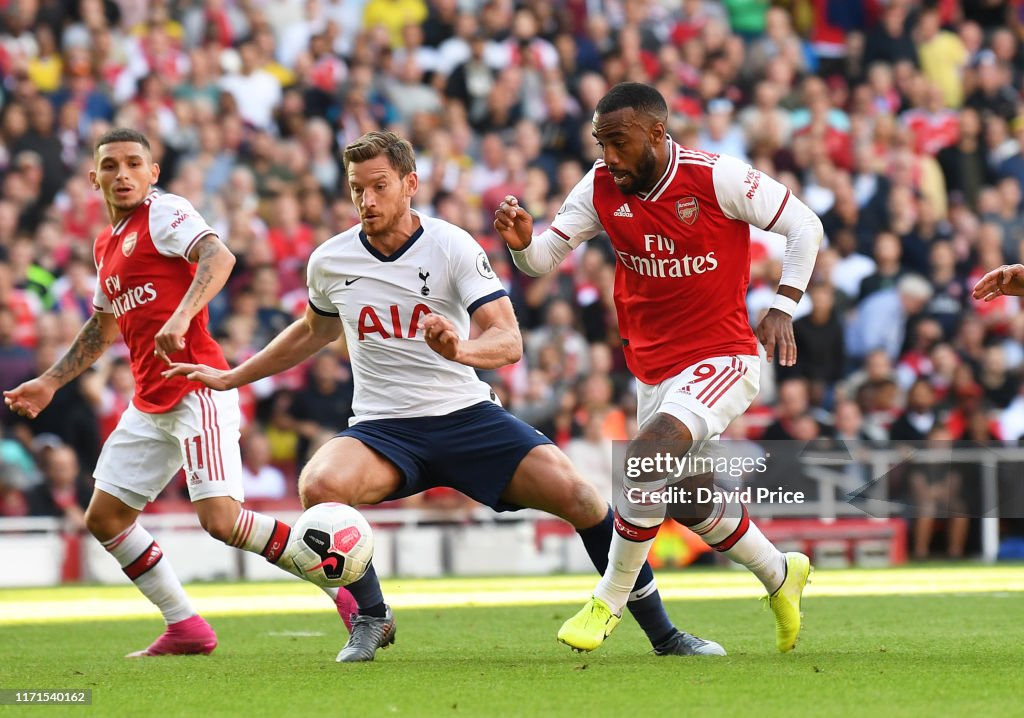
[
  {"x": 317, "y": 486},
  {"x": 94, "y": 523},
  {"x": 664, "y": 432},
  {"x": 102, "y": 525}
]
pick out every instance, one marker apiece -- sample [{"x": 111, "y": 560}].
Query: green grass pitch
[{"x": 908, "y": 642}]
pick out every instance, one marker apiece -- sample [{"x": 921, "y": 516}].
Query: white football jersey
[{"x": 382, "y": 301}]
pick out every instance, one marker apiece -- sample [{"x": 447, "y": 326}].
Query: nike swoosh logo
[
  {"x": 350, "y": 281},
  {"x": 331, "y": 561}
]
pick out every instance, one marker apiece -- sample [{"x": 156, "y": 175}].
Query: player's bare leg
[
  {"x": 349, "y": 472},
  {"x": 547, "y": 480},
  {"x": 114, "y": 525},
  {"x": 227, "y": 520}
]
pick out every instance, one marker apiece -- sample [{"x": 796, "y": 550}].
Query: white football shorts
[
  {"x": 705, "y": 396},
  {"x": 145, "y": 451}
]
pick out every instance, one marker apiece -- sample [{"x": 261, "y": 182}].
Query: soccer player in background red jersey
[
  {"x": 159, "y": 265},
  {"x": 678, "y": 220}
]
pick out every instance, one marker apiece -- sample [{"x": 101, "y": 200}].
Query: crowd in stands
[{"x": 899, "y": 122}]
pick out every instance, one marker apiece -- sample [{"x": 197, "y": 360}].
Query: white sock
[
  {"x": 631, "y": 542},
  {"x": 729, "y": 530},
  {"x": 268, "y": 537},
  {"x": 260, "y": 534},
  {"x": 144, "y": 563}
]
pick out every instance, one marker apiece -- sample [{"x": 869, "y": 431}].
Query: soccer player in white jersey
[
  {"x": 678, "y": 220},
  {"x": 159, "y": 265},
  {"x": 405, "y": 289}
]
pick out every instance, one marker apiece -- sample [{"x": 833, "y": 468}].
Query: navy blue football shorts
[{"x": 475, "y": 450}]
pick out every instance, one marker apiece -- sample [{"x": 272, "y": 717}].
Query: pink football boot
[{"x": 189, "y": 637}]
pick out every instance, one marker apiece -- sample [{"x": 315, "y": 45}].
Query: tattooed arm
[
  {"x": 214, "y": 262},
  {"x": 33, "y": 396}
]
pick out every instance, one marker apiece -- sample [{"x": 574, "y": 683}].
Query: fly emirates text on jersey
[{"x": 653, "y": 265}]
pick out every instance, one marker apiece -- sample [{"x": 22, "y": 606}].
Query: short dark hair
[
  {"x": 637, "y": 96},
  {"x": 399, "y": 152},
  {"x": 122, "y": 134}
]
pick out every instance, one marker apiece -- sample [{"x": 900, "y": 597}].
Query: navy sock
[
  {"x": 648, "y": 611},
  {"x": 366, "y": 591}
]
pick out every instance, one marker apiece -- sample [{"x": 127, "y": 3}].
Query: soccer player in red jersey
[
  {"x": 159, "y": 265},
  {"x": 679, "y": 221}
]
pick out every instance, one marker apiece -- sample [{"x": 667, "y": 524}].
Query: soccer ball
[{"x": 332, "y": 545}]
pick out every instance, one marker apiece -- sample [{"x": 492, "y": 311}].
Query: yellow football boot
[{"x": 587, "y": 629}]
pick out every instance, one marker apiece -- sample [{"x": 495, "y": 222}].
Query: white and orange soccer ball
[{"x": 331, "y": 545}]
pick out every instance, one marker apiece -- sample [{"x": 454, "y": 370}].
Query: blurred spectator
[
  {"x": 591, "y": 453},
  {"x": 794, "y": 404},
  {"x": 62, "y": 493},
  {"x": 260, "y": 479},
  {"x": 17, "y": 362},
  {"x": 42, "y": 142},
  {"x": 887, "y": 255},
  {"x": 937, "y": 490},
  {"x": 255, "y": 91},
  {"x": 393, "y": 15},
  {"x": 113, "y": 395},
  {"x": 819, "y": 340},
  {"x": 919, "y": 417},
  {"x": 324, "y": 405},
  {"x": 271, "y": 318},
  {"x": 993, "y": 91},
  {"x": 999, "y": 385},
  {"x": 964, "y": 164},
  {"x": 949, "y": 292},
  {"x": 472, "y": 81},
  {"x": 881, "y": 320},
  {"x": 12, "y": 496},
  {"x": 943, "y": 56},
  {"x": 848, "y": 425},
  {"x": 890, "y": 41},
  {"x": 720, "y": 134},
  {"x": 851, "y": 267}
]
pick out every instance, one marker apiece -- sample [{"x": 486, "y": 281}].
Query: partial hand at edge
[{"x": 216, "y": 379}]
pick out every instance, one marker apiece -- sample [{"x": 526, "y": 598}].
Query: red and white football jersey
[
  {"x": 143, "y": 275},
  {"x": 683, "y": 252}
]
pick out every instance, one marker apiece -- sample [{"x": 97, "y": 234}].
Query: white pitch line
[{"x": 18, "y": 612}]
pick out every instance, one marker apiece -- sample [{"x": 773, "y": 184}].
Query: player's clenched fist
[
  {"x": 171, "y": 337},
  {"x": 441, "y": 336},
  {"x": 513, "y": 223},
  {"x": 1005, "y": 280}
]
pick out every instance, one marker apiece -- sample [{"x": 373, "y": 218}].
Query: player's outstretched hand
[
  {"x": 775, "y": 332},
  {"x": 171, "y": 337},
  {"x": 513, "y": 223},
  {"x": 441, "y": 336},
  {"x": 1005, "y": 280},
  {"x": 216, "y": 379},
  {"x": 30, "y": 398}
]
